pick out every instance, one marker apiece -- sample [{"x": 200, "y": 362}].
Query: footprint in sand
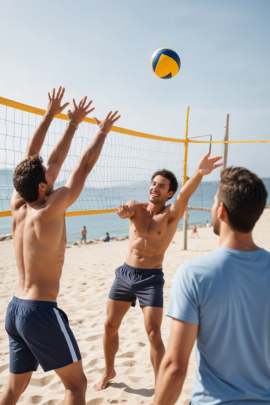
[
  {"x": 2, "y": 368},
  {"x": 41, "y": 382},
  {"x": 95, "y": 401},
  {"x": 141, "y": 344},
  {"x": 92, "y": 363},
  {"x": 128, "y": 363},
  {"x": 56, "y": 386},
  {"x": 94, "y": 337},
  {"x": 35, "y": 399},
  {"x": 129, "y": 355}
]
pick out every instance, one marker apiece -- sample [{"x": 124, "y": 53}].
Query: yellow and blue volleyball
[{"x": 165, "y": 63}]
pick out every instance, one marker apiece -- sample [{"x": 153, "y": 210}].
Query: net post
[
  {"x": 185, "y": 227},
  {"x": 226, "y": 145}
]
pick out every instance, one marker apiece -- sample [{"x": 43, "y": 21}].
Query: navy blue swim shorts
[
  {"x": 145, "y": 284},
  {"x": 39, "y": 333}
]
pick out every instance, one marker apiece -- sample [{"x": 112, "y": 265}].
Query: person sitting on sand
[
  {"x": 222, "y": 300},
  {"x": 194, "y": 231},
  {"x": 106, "y": 238},
  {"x": 83, "y": 235},
  {"x": 38, "y": 330},
  {"x": 152, "y": 227}
]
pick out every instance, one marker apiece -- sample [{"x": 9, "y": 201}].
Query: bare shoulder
[{"x": 16, "y": 202}]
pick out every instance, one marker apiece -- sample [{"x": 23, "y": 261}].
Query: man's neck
[
  {"x": 237, "y": 240},
  {"x": 41, "y": 200},
  {"x": 155, "y": 209}
]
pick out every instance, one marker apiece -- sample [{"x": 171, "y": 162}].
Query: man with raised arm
[
  {"x": 221, "y": 300},
  {"x": 152, "y": 226},
  {"x": 38, "y": 330}
]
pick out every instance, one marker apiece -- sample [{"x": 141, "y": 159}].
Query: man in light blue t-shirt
[{"x": 223, "y": 300}]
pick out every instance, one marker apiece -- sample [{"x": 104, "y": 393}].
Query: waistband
[
  {"x": 30, "y": 303},
  {"x": 153, "y": 271}
]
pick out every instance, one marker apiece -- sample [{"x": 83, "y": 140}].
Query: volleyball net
[{"x": 123, "y": 171}]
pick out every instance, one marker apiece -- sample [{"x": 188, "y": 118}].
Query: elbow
[
  {"x": 183, "y": 194},
  {"x": 178, "y": 373}
]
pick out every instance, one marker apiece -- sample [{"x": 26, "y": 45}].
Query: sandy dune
[{"x": 87, "y": 277}]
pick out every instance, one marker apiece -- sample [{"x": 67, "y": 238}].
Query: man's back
[
  {"x": 39, "y": 244},
  {"x": 227, "y": 294}
]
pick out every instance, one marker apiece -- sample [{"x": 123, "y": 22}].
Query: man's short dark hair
[
  {"x": 27, "y": 176},
  {"x": 170, "y": 176},
  {"x": 244, "y": 196}
]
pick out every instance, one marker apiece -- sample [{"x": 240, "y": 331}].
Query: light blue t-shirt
[{"x": 227, "y": 293}]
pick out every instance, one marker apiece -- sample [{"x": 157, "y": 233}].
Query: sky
[{"x": 103, "y": 48}]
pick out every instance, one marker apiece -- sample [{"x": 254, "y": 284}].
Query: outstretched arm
[
  {"x": 205, "y": 167},
  {"x": 54, "y": 107},
  {"x": 62, "y": 198},
  {"x": 125, "y": 211},
  {"x": 60, "y": 151},
  {"x": 174, "y": 365},
  {"x": 36, "y": 141}
]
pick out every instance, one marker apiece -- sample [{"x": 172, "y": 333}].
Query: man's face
[
  {"x": 214, "y": 212},
  {"x": 159, "y": 190},
  {"x": 49, "y": 185}
]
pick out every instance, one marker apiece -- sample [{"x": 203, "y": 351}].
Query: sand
[{"x": 87, "y": 276}]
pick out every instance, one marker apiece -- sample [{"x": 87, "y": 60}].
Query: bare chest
[{"x": 146, "y": 226}]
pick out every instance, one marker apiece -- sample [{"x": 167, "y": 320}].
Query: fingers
[
  {"x": 53, "y": 93},
  {"x": 108, "y": 116},
  {"x": 97, "y": 121},
  {"x": 59, "y": 92},
  {"x": 62, "y": 93},
  {"x": 216, "y": 166},
  {"x": 215, "y": 159},
  {"x": 64, "y": 106},
  {"x": 116, "y": 119},
  {"x": 82, "y": 102},
  {"x": 49, "y": 97},
  {"x": 88, "y": 105},
  {"x": 74, "y": 103},
  {"x": 92, "y": 109}
]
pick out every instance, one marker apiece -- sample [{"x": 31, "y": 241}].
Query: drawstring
[{"x": 136, "y": 272}]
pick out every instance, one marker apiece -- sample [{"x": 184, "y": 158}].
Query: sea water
[{"x": 98, "y": 225}]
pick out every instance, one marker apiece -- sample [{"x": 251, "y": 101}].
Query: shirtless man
[
  {"x": 152, "y": 226},
  {"x": 83, "y": 235},
  {"x": 38, "y": 330}
]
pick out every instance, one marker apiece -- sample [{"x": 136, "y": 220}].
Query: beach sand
[{"x": 87, "y": 277}]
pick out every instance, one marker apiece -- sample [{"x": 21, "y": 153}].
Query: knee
[
  {"x": 14, "y": 393},
  {"x": 154, "y": 336},
  {"x": 110, "y": 329},
  {"x": 78, "y": 387}
]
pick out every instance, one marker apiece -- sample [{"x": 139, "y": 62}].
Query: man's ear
[
  {"x": 170, "y": 194},
  {"x": 222, "y": 212},
  {"x": 41, "y": 188}
]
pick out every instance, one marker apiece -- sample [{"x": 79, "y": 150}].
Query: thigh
[
  {"x": 116, "y": 310},
  {"x": 152, "y": 317},
  {"x": 72, "y": 375},
  {"x": 121, "y": 289},
  {"x": 17, "y": 383},
  {"x": 150, "y": 293}
]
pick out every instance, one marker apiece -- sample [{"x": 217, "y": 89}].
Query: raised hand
[
  {"x": 80, "y": 112},
  {"x": 207, "y": 164},
  {"x": 106, "y": 125},
  {"x": 125, "y": 211},
  {"x": 54, "y": 106}
]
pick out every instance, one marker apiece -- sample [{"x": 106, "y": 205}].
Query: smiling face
[{"x": 159, "y": 190}]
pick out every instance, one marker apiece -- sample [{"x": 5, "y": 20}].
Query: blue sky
[{"x": 103, "y": 49}]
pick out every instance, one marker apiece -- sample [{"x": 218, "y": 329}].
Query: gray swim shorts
[{"x": 145, "y": 284}]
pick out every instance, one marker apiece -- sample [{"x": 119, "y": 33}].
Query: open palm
[{"x": 207, "y": 164}]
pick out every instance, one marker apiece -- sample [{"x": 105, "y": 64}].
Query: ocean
[{"x": 98, "y": 225}]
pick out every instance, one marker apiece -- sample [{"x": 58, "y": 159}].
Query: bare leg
[
  {"x": 152, "y": 321},
  {"x": 17, "y": 384},
  {"x": 75, "y": 383},
  {"x": 116, "y": 310}
]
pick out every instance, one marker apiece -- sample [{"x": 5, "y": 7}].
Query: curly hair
[
  {"x": 27, "y": 176},
  {"x": 244, "y": 196},
  {"x": 170, "y": 176}
]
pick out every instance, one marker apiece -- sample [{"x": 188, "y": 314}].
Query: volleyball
[{"x": 165, "y": 63}]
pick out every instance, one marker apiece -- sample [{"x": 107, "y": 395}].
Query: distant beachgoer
[
  {"x": 107, "y": 238},
  {"x": 208, "y": 225},
  {"x": 194, "y": 231},
  {"x": 83, "y": 235},
  {"x": 221, "y": 301}
]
